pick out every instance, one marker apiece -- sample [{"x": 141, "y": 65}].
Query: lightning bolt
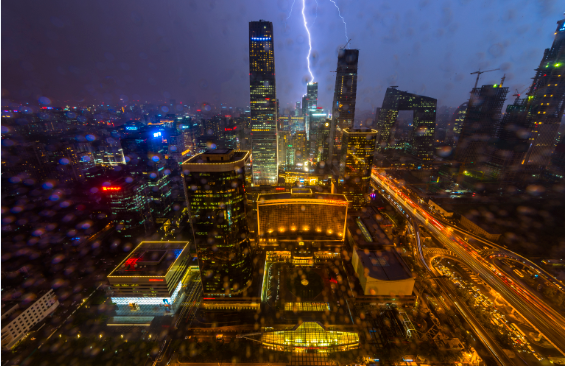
[
  {"x": 342, "y": 19},
  {"x": 309, "y": 39},
  {"x": 292, "y": 6}
]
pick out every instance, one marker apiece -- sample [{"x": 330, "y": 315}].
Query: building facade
[
  {"x": 479, "y": 127},
  {"x": 547, "y": 102},
  {"x": 263, "y": 102},
  {"x": 17, "y": 320},
  {"x": 149, "y": 280},
  {"x": 214, "y": 184},
  {"x": 356, "y": 160},
  {"x": 421, "y": 138},
  {"x": 345, "y": 96}
]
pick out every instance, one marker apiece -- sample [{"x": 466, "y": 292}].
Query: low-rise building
[
  {"x": 149, "y": 280},
  {"x": 19, "y": 317},
  {"x": 382, "y": 272}
]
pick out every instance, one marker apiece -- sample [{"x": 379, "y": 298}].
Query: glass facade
[
  {"x": 345, "y": 96},
  {"x": 215, "y": 190},
  {"x": 421, "y": 141},
  {"x": 356, "y": 161},
  {"x": 263, "y": 103}
]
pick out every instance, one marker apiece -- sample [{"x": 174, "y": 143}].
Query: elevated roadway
[{"x": 538, "y": 314}]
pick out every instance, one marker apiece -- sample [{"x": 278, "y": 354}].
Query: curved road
[{"x": 540, "y": 316}]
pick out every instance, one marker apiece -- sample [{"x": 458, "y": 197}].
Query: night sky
[{"x": 196, "y": 51}]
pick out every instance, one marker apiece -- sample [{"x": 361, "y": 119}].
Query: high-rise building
[
  {"x": 323, "y": 141},
  {"x": 284, "y": 141},
  {"x": 511, "y": 142},
  {"x": 345, "y": 95},
  {"x": 263, "y": 103},
  {"x": 297, "y": 110},
  {"x": 547, "y": 101},
  {"x": 300, "y": 145},
  {"x": 311, "y": 106},
  {"x": 479, "y": 127},
  {"x": 358, "y": 148},
  {"x": 421, "y": 138},
  {"x": 455, "y": 123},
  {"x": 214, "y": 184}
]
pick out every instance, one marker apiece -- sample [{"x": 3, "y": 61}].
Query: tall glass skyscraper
[
  {"x": 311, "y": 105},
  {"x": 214, "y": 184},
  {"x": 345, "y": 95},
  {"x": 547, "y": 101},
  {"x": 263, "y": 103}
]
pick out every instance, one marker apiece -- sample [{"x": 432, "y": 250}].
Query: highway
[{"x": 540, "y": 316}]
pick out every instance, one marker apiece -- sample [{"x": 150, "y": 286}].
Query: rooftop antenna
[
  {"x": 502, "y": 81},
  {"x": 479, "y": 74},
  {"x": 347, "y": 43}
]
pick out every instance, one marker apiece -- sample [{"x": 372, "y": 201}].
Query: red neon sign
[
  {"x": 280, "y": 188},
  {"x": 155, "y": 280},
  {"x": 208, "y": 298},
  {"x": 111, "y": 188}
]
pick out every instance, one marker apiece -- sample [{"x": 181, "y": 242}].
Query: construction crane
[{"x": 479, "y": 74}]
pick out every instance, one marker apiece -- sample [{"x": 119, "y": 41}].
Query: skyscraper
[
  {"x": 512, "y": 141},
  {"x": 479, "y": 127},
  {"x": 345, "y": 94},
  {"x": 455, "y": 123},
  {"x": 263, "y": 102},
  {"x": 547, "y": 101},
  {"x": 358, "y": 148},
  {"x": 312, "y": 104},
  {"x": 423, "y": 122},
  {"x": 214, "y": 184}
]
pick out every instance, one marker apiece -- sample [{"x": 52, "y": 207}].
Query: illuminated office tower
[
  {"x": 323, "y": 141},
  {"x": 345, "y": 94},
  {"x": 479, "y": 127},
  {"x": 547, "y": 101},
  {"x": 297, "y": 110},
  {"x": 214, "y": 184},
  {"x": 358, "y": 148},
  {"x": 423, "y": 110},
  {"x": 300, "y": 147},
  {"x": 263, "y": 103},
  {"x": 311, "y": 106},
  {"x": 284, "y": 142}
]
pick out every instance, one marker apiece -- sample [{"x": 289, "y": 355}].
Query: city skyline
[{"x": 118, "y": 62}]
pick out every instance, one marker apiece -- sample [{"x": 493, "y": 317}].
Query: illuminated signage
[
  {"x": 131, "y": 128},
  {"x": 111, "y": 188},
  {"x": 260, "y": 38},
  {"x": 156, "y": 280},
  {"x": 157, "y": 134},
  {"x": 230, "y": 129}
]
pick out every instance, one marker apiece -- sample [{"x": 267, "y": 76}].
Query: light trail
[
  {"x": 342, "y": 19},
  {"x": 309, "y": 40}
]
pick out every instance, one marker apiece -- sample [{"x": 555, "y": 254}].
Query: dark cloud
[{"x": 195, "y": 51}]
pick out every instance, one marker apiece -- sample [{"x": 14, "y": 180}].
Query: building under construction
[{"x": 479, "y": 127}]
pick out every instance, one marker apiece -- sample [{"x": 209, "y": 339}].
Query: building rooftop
[
  {"x": 302, "y": 193},
  {"x": 150, "y": 258},
  {"x": 384, "y": 264},
  {"x": 217, "y": 156}
]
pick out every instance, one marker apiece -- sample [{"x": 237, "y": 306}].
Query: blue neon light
[
  {"x": 562, "y": 27},
  {"x": 157, "y": 134},
  {"x": 260, "y": 38},
  {"x": 131, "y": 128}
]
